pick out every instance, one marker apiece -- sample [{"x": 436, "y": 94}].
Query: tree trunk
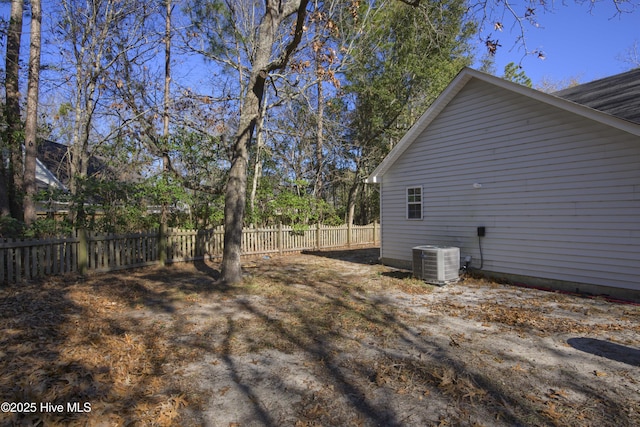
[
  {"x": 318, "y": 185},
  {"x": 165, "y": 131},
  {"x": 257, "y": 167},
  {"x": 86, "y": 86},
  {"x": 32, "y": 114},
  {"x": 236, "y": 192},
  {"x": 351, "y": 204},
  {"x": 78, "y": 166},
  {"x": 13, "y": 137},
  {"x": 4, "y": 185},
  {"x": 235, "y": 197}
]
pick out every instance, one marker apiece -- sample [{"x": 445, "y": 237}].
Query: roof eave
[
  {"x": 432, "y": 112},
  {"x": 454, "y": 88}
]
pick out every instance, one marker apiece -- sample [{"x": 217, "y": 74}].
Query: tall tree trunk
[
  {"x": 32, "y": 114},
  {"x": 235, "y": 197},
  {"x": 165, "y": 128},
  {"x": 167, "y": 93},
  {"x": 78, "y": 164},
  {"x": 351, "y": 203},
  {"x": 4, "y": 188},
  {"x": 236, "y": 191},
  {"x": 318, "y": 185},
  {"x": 257, "y": 166},
  {"x": 86, "y": 87},
  {"x": 13, "y": 138}
]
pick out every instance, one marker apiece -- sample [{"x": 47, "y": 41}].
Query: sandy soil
[{"x": 318, "y": 339}]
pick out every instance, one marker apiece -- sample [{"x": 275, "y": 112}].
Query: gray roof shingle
[{"x": 617, "y": 95}]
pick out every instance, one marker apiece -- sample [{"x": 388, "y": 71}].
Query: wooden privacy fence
[{"x": 87, "y": 251}]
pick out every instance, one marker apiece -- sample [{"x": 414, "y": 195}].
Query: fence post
[
  {"x": 375, "y": 232},
  {"x": 83, "y": 251},
  {"x": 162, "y": 244},
  {"x": 280, "y": 237},
  {"x": 349, "y": 230},
  {"x": 318, "y": 239}
]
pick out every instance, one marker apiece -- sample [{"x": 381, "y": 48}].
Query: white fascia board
[
  {"x": 45, "y": 176},
  {"x": 432, "y": 112}
]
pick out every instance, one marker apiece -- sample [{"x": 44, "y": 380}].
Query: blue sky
[{"x": 576, "y": 43}]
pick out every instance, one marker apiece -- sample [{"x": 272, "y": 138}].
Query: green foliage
[
  {"x": 488, "y": 64},
  {"x": 161, "y": 190},
  {"x": 291, "y": 204},
  {"x": 202, "y": 158},
  {"x": 64, "y": 109},
  {"x": 516, "y": 74},
  {"x": 44, "y": 228},
  {"x": 403, "y": 60},
  {"x": 208, "y": 209},
  {"x": 220, "y": 26},
  {"x": 10, "y": 227},
  {"x": 115, "y": 207}
]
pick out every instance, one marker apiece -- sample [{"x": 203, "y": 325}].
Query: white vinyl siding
[{"x": 559, "y": 195}]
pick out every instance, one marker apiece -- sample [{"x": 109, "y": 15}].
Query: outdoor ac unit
[{"x": 437, "y": 265}]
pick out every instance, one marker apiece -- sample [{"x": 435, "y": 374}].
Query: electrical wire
[{"x": 480, "y": 247}]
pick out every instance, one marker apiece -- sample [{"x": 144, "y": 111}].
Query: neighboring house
[
  {"x": 56, "y": 158},
  {"x": 53, "y": 173},
  {"x": 47, "y": 180},
  {"x": 555, "y": 183}
]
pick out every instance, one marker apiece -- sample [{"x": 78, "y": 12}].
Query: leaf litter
[{"x": 316, "y": 339}]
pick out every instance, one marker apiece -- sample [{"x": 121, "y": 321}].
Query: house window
[{"x": 414, "y": 203}]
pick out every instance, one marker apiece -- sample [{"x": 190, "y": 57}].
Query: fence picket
[
  {"x": 35, "y": 255},
  {"x": 26, "y": 255},
  {"x": 37, "y": 258},
  {"x": 46, "y": 260},
  {"x": 19, "y": 257},
  {"x": 64, "y": 257},
  {"x": 10, "y": 258}
]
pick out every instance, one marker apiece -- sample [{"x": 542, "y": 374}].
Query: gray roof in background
[{"x": 617, "y": 95}]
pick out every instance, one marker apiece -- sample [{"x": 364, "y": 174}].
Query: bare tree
[
  {"x": 30, "y": 133},
  {"x": 10, "y": 188},
  {"x": 549, "y": 85},
  {"x": 94, "y": 35},
  {"x": 257, "y": 165},
  {"x": 631, "y": 56},
  {"x": 264, "y": 61},
  {"x": 165, "y": 123}
]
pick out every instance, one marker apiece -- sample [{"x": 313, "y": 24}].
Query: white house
[{"x": 555, "y": 183}]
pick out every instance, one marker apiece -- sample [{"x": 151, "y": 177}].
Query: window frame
[{"x": 411, "y": 203}]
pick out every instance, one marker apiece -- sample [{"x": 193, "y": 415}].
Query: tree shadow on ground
[
  {"x": 181, "y": 277},
  {"x": 610, "y": 350},
  {"x": 368, "y": 256},
  {"x": 97, "y": 341},
  {"x": 319, "y": 343},
  {"x": 205, "y": 268},
  {"x": 398, "y": 274},
  {"x": 142, "y": 345},
  {"x": 318, "y": 324},
  {"x": 36, "y": 360}
]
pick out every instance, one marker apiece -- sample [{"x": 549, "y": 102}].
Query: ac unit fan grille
[{"x": 436, "y": 265}]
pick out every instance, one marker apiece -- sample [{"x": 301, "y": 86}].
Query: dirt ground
[{"x": 316, "y": 339}]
